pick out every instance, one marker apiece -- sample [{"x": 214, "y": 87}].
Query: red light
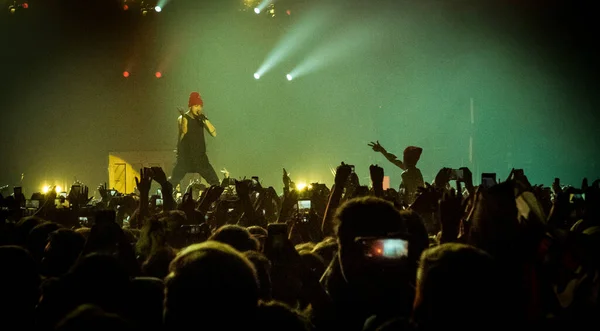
[
  {"x": 125, "y": 7},
  {"x": 126, "y": 74},
  {"x": 288, "y": 12},
  {"x": 158, "y": 74},
  {"x": 25, "y": 5}
]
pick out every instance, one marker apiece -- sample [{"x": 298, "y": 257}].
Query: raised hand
[
  {"x": 144, "y": 182},
  {"x": 556, "y": 186},
  {"x": 103, "y": 190},
  {"x": 82, "y": 198},
  {"x": 243, "y": 187},
  {"x": 286, "y": 178},
  {"x": 376, "y": 146},
  {"x": 443, "y": 177},
  {"x": 467, "y": 178},
  {"x": 450, "y": 215},
  {"x": 225, "y": 173},
  {"x": 158, "y": 174},
  {"x": 188, "y": 204},
  {"x": 342, "y": 174},
  {"x": 376, "y": 174}
]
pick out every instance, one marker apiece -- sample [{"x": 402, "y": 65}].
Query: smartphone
[
  {"x": 304, "y": 205},
  {"x": 159, "y": 202},
  {"x": 159, "y": 193},
  {"x": 457, "y": 175},
  {"x": 386, "y": 248},
  {"x": 488, "y": 179},
  {"x": 32, "y": 204},
  {"x": 277, "y": 234},
  {"x": 575, "y": 197},
  {"x": 62, "y": 195},
  {"x": 191, "y": 229}
]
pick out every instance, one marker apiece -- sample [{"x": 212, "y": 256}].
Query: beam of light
[
  {"x": 160, "y": 5},
  {"x": 263, "y": 5},
  {"x": 289, "y": 77},
  {"x": 349, "y": 43},
  {"x": 307, "y": 27}
]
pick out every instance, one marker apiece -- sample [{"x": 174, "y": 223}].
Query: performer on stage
[{"x": 191, "y": 147}]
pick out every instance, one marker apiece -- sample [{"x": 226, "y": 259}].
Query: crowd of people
[{"x": 239, "y": 255}]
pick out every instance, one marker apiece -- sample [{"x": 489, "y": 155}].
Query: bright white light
[
  {"x": 256, "y": 75},
  {"x": 45, "y": 189},
  {"x": 301, "y": 186},
  {"x": 58, "y": 189},
  {"x": 288, "y": 76},
  {"x": 158, "y": 9},
  {"x": 256, "y": 10}
]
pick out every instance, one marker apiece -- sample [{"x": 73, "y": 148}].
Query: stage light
[
  {"x": 125, "y": 7},
  {"x": 158, "y": 74},
  {"x": 58, "y": 189},
  {"x": 125, "y": 74},
  {"x": 157, "y": 9},
  {"x": 45, "y": 189},
  {"x": 257, "y": 75},
  {"x": 289, "y": 12},
  {"x": 144, "y": 12},
  {"x": 25, "y": 5},
  {"x": 288, "y": 76},
  {"x": 301, "y": 186},
  {"x": 12, "y": 9},
  {"x": 256, "y": 10}
]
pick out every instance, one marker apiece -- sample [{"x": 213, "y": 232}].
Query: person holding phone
[
  {"x": 375, "y": 269},
  {"x": 191, "y": 145},
  {"x": 412, "y": 178}
]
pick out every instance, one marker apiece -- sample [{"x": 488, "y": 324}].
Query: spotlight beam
[
  {"x": 313, "y": 21},
  {"x": 351, "y": 42}
]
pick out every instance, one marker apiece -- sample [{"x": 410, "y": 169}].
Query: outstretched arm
[{"x": 389, "y": 156}]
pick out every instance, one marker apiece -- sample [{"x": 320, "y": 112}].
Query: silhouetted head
[{"x": 210, "y": 283}]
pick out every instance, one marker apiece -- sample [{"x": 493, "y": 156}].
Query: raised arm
[{"x": 389, "y": 156}]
